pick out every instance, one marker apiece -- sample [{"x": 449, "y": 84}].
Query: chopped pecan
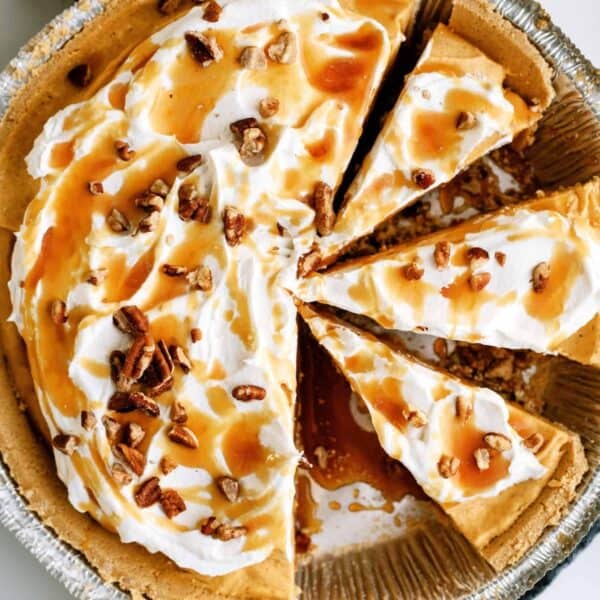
[
  {"x": 322, "y": 200},
  {"x": 541, "y": 276},
  {"x": 192, "y": 206},
  {"x": 212, "y": 11},
  {"x": 172, "y": 503},
  {"x": 246, "y": 393},
  {"x": 117, "y": 221},
  {"x": 96, "y": 276},
  {"x": 204, "y": 48},
  {"x": 448, "y": 466},
  {"x": 190, "y": 163},
  {"x": 117, "y": 358},
  {"x": 131, "y": 320},
  {"x": 134, "y": 434},
  {"x": 80, "y": 75},
  {"x": 183, "y": 436},
  {"x": 234, "y": 225},
  {"x": 416, "y": 418},
  {"x": 168, "y": 7},
  {"x": 200, "y": 278},
  {"x": 145, "y": 404},
  {"x": 283, "y": 49},
  {"x": 180, "y": 358},
  {"x": 114, "y": 431},
  {"x": 268, "y": 107},
  {"x": 167, "y": 465},
  {"x": 150, "y": 202},
  {"x": 65, "y": 443},
  {"x": 160, "y": 188},
  {"x": 137, "y": 360},
  {"x": 534, "y": 442},
  {"x": 500, "y": 258},
  {"x": 226, "y": 532},
  {"x": 423, "y": 178},
  {"x": 148, "y": 493},
  {"x": 124, "y": 150},
  {"x": 149, "y": 222},
  {"x": 120, "y": 474},
  {"x": 159, "y": 376},
  {"x": 195, "y": 334},
  {"x": 121, "y": 402},
  {"x": 463, "y": 408},
  {"x": 253, "y": 58},
  {"x": 477, "y": 281},
  {"x": 174, "y": 270},
  {"x": 209, "y": 526},
  {"x": 413, "y": 271},
  {"x": 58, "y": 312},
  {"x": 308, "y": 263},
  {"x": 497, "y": 441},
  {"x": 229, "y": 487},
  {"x": 482, "y": 458},
  {"x": 441, "y": 254},
  {"x": 88, "y": 420},
  {"x": 466, "y": 120},
  {"x": 440, "y": 347},
  {"x": 134, "y": 458},
  {"x": 178, "y": 412},
  {"x": 250, "y": 139},
  {"x": 477, "y": 257},
  {"x": 96, "y": 188}
]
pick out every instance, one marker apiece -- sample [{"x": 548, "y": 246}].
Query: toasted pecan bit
[
  {"x": 150, "y": 202},
  {"x": 308, "y": 263},
  {"x": 477, "y": 281},
  {"x": 167, "y": 465},
  {"x": 234, "y": 225},
  {"x": 65, "y": 443},
  {"x": 413, "y": 271},
  {"x": 195, "y": 334},
  {"x": 134, "y": 458},
  {"x": 80, "y": 75},
  {"x": 416, "y": 418},
  {"x": 96, "y": 276},
  {"x": 172, "y": 503},
  {"x": 160, "y": 188},
  {"x": 180, "y": 358},
  {"x": 448, "y": 466},
  {"x": 482, "y": 458},
  {"x": 120, "y": 474},
  {"x": 88, "y": 420},
  {"x": 168, "y": 7},
  {"x": 192, "y": 206},
  {"x": 183, "y": 436},
  {"x": 283, "y": 49},
  {"x": 226, "y": 532},
  {"x": 246, "y": 393},
  {"x": 212, "y": 11},
  {"x": 534, "y": 442},
  {"x": 477, "y": 257},
  {"x": 178, "y": 412},
  {"x": 121, "y": 402},
  {"x": 440, "y": 347},
  {"x": 159, "y": 376},
  {"x": 325, "y": 16},
  {"x": 200, "y": 278},
  {"x": 58, "y": 312},
  {"x": 130, "y": 319},
  {"x": 174, "y": 270},
  {"x": 253, "y": 58},
  {"x": 144, "y": 404},
  {"x": 96, "y": 188},
  {"x": 149, "y": 222},
  {"x": 466, "y": 120},
  {"x": 148, "y": 493},
  {"x": 124, "y": 150},
  {"x": 114, "y": 431},
  {"x": 117, "y": 221},
  {"x": 190, "y": 163},
  {"x": 134, "y": 434},
  {"x": 209, "y": 526},
  {"x": 250, "y": 140},
  {"x": 463, "y": 408},
  {"x": 229, "y": 487},
  {"x": 423, "y": 178},
  {"x": 497, "y": 441},
  {"x": 137, "y": 360},
  {"x": 541, "y": 276},
  {"x": 322, "y": 200},
  {"x": 500, "y": 258},
  {"x": 268, "y": 107},
  {"x": 441, "y": 254},
  {"x": 204, "y": 48}
]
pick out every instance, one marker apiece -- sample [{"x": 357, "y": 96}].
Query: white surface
[{"x": 22, "y": 577}]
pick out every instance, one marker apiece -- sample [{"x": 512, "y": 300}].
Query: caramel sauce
[
  {"x": 321, "y": 149},
  {"x": 306, "y": 507},
  {"x": 62, "y": 154},
  {"x": 242, "y": 449},
  {"x": 117, "y": 95},
  {"x": 392, "y": 14},
  {"x": 435, "y": 137},
  {"x": 241, "y": 324},
  {"x": 413, "y": 293}
]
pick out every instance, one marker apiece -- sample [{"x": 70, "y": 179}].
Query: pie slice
[
  {"x": 503, "y": 475},
  {"x": 461, "y": 100},
  {"x": 523, "y": 277}
]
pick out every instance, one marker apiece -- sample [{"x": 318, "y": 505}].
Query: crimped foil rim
[{"x": 70, "y": 567}]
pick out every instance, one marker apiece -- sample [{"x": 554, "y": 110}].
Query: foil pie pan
[{"x": 567, "y": 150}]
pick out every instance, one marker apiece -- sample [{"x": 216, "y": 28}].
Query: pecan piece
[
  {"x": 88, "y": 420},
  {"x": 283, "y": 49},
  {"x": 148, "y": 493},
  {"x": 137, "y": 360},
  {"x": 413, "y": 271},
  {"x": 477, "y": 257},
  {"x": 466, "y": 120},
  {"x": 96, "y": 276},
  {"x": 145, "y": 404},
  {"x": 497, "y": 441},
  {"x": 159, "y": 376},
  {"x": 200, "y": 278},
  {"x": 192, "y": 206},
  {"x": 58, "y": 312},
  {"x": 149, "y": 222},
  {"x": 124, "y": 150},
  {"x": 246, "y": 393},
  {"x": 209, "y": 526},
  {"x": 268, "y": 107},
  {"x": 183, "y": 436},
  {"x": 534, "y": 442},
  {"x": 226, "y": 532},
  {"x": 190, "y": 163},
  {"x": 114, "y": 431},
  {"x": 441, "y": 254},
  {"x": 253, "y": 58},
  {"x": 150, "y": 202},
  {"x": 117, "y": 358},
  {"x": 120, "y": 474},
  {"x": 448, "y": 466},
  {"x": 80, "y": 75},
  {"x": 172, "y": 503},
  {"x": 167, "y": 465},
  {"x": 423, "y": 178},
  {"x": 308, "y": 263},
  {"x": 482, "y": 458},
  {"x": 131, "y": 320},
  {"x": 117, "y": 221},
  {"x": 134, "y": 458},
  {"x": 195, "y": 334},
  {"x": 212, "y": 11},
  {"x": 134, "y": 434},
  {"x": 180, "y": 358},
  {"x": 168, "y": 7},
  {"x": 229, "y": 487},
  {"x": 174, "y": 270},
  {"x": 251, "y": 140},
  {"x": 463, "y": 408},
  {"x": 234, "y": 225},
  {"x": 121, "y": 402},
  {"x": 178, "y": 412},
  {"x": 500, "y": 258},
  {"x": 204, "y": 48},
  {"x": 96, "y": 188},
  {"x": 322, "y": 200},
  {"x": 477, "y": 281},
  {"x": 541, "y": 276},
  {"x": 160, "y": 188},
  {"x": 65, "y": 443}
]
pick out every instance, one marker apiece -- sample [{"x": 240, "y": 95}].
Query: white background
[{"x": 20, "y": 575}]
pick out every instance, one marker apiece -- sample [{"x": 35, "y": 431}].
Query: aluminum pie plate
[{"x": 70, "y": 567}]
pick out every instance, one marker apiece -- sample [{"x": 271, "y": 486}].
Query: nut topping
[
  {"x": 283, "y": 49},
  {"x": 167, "y": 465},
  {"x": 174, "y": 270},
  {"x": 466, "y": 120},
  {"x": 117, "y": 358},
  {"x": 413, "y": 271},
  {"x": 135, "y": 460},
  {"x": 497, "y": 441},
  {"x": 113, "y": 430},
  {"x": 441, "y": 255},
  {"x": 150, "y": 202},
  {"x": 134, "y": 434},
  {"x": 120, "y": 474},
  {"x": 234, "y": 225},
  {"x": 124, "y": 151},
  {"x": 65, "y": 443},
  {"x": 541, "y": 276},
  {"x": 212, "y": 11},
  {"x": 477, "y": 281},
  {"x": 195, "y": 334},
  {"x": 80, "y": 75},
  {"x": 96, "y": 276},
  {"x": 229, "y": 487},
  {"x": 322, "y": 200},
  {"x": 121, "y": 402},
  {"x": 204, "y": 48},
  {"x": 482, "y": 458},
  {"x": 534, "y": 442},
  {"x": 144, "y": 404},
  {"x": 58, "y": 312},
  {"x": 246, "y": 393},
  {"x": 308, "y": 263},
  {"x": 253, "y": 58},
  {"x": 88, "y": 420},
  {"x": 168, "y": 7},
  {"x": 477, "y": 257},
  {"x": 180, "y": 358},
  {"x": 131, "y": 320},
  {"x": 117, "y": 221},
  {"x": 149, "y": 222},
  {"x": 250, "y": 139},
  {"x": 137, "y": 360},
  {"x": 183, "y": 436},
  {"x": 192, "y": 206},
  {"x": 500, "y": 258},
  {"x": 190, "y": 163},
  {"x": 96, "y": 188},
  {"x": 160, "y": 188},
  {"x": 148, "y": 493},
  {"x": 463, "y": 408},
  {"x": 448, "y": 466},
  {"x": 159, "y": 376},
  {"x": 178, "y": 412},
  {"x": 172, "y": 503},
  {"x": 268, "y": 107},
  {"x": 222, "y": 531},
  {"x": 423, "y": 178},
  {"x": 200, "y": 278}
]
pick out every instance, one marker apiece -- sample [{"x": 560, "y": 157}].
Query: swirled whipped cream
[{"x": 173, "y": 195}]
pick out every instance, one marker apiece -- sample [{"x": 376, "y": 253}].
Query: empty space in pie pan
[{"x": 427, "y": 558}]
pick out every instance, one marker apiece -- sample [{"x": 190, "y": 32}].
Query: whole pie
[{"x": 190, "y": 183}]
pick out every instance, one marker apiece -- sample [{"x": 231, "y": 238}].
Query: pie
[{"x": 172, "y": 185}]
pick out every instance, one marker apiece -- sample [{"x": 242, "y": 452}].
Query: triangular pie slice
[
  {"x": 454, "y": 108},
  {"x": 524, "y": 277},
  {"x": 503, "y": 475}
]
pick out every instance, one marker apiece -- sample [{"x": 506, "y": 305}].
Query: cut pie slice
[
  {"x": 523, "y": 277},
  {"x": 454, "y": 108},
  {"x": 503, "y": 475}
]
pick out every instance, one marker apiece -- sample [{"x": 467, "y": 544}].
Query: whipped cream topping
[
  {"x": 164, "y": 106},
  {"x": 451, "y": 112},
  {"x": 394, "y": 386},
  {"x": 559, "y": 232}
]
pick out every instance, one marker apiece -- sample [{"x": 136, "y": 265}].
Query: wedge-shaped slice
[
  {"x": 523, "y": 277},
  {"x": 500, "y": 473},
  {"x": 454, "y": 108}
]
